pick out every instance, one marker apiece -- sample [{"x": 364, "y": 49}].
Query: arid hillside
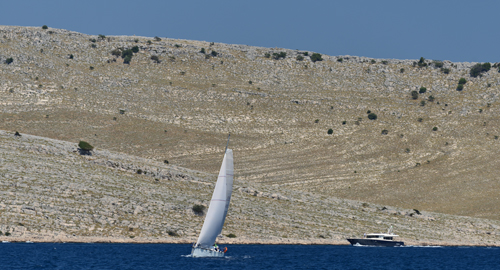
[{"x": 296, "y": 125}]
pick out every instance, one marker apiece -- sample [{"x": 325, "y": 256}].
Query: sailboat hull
[{"x": 202, "y": 252}]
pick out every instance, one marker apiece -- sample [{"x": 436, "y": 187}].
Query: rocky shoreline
[{"x": 190, "y": 240}]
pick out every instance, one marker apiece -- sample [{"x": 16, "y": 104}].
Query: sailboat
[{"x": 217, "y": 210}]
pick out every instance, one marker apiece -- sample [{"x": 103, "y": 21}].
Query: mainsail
[{"x": 217, "y": 210}]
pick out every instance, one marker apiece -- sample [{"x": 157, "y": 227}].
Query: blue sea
[{"x": 291, "y": 257}]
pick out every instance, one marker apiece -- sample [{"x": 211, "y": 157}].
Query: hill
[{"x": 173, "y": 102}]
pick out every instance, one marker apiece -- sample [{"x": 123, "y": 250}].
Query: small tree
[
  {"x": 231, "y": 235},
  {"x": 116, "y": 52},
  {"x": 462, "y": 81},
  {"x": 45, "y": 27},
  {"x": 280, "y": 55},
  {"x": 157, "y": 38},
  {"x": 155, "y": 59},
  {"x": 85, "y": 146},
  {"x": 198, "y": 209},
  {"x": 127, "y": 59},
  {"x": 316, "y": 57},
  {"x": 422, "y": 90},
  {"x": 9, "y": 60},
  {"x": 300, "y": 57},
  {"x": 330, "y": 131},
  {"x": 460, "y": 87},
  {"x": 414, "y": 94},
  {"x": 135, "y": 49},
  {"x": 202, "y": 50},
  {"x": 372, "y": 116}
]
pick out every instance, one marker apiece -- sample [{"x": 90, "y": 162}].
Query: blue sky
[{"x": 460, "y": 31}]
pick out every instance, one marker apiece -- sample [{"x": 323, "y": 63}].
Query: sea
[{"x": 290, "y": 257}]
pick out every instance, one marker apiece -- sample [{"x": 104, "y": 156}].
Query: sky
[{"x": 459, "y": 30}]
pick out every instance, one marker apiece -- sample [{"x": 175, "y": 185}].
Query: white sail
[{"x": 217, "y": 210}]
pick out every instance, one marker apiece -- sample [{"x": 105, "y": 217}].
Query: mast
[{"x": 229, "y": 135}]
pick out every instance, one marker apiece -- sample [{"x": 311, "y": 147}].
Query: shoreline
[{"x": 184, "y": 240}]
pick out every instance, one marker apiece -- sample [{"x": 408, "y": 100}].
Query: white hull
[{"x": 201, "y": 252}]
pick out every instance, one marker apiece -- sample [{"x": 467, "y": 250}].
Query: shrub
[
  {"x": 330, "y": 131},
  {"x": 438, "y": 64},
  {"x": 165, "y": 161},
  {"x": 316, "y": 57},
  {"x": 372, "y": 116},
  {"x": 414, "y": 94},
  {"x": 445, "y": 70},
  {"x": 177, "y": 46},
  {"x": 422, "y": 90},
  {"x": 85, "y": 146},
  {"x": 91, "y": 68},
  {"x": 231, "y": 235},
  {"x": 420, "y": 119},
  {"x": 45, "y": 27},
  {"x": 278, "y": 56},
  {"x": 101, "y": 37},
  {"x": 422, "y": 103},
  {"x": 198, "y": 209},
  {"x": 373, "y": 61},
  {"x": 155, "y": 59},
  {"x": 267, "y": 55},
  {"x": 135, "y": 49},
  {"x": 9, "y": 60},
  {"x": 300, "y": 57},
  {"x": 149, "y": 42},
  {"x": 139, "y": 171},
  {"x": 431, "y": 99},
  {"x": 340, "y": 60},
  {"x": 202, "y": 50},
  {"x": 157, "y": 38},
  {"x": 17, "y": 134},
  {"x": 384, "y": 62},
  {"x": 127, "y": 59},
  {"x": 421, "y": 62},
  {"x": 402, "y": 70},
  {"x": 344, "y": 122},
  {"x": 434, "y": 129},
  {"x": 460, "y": 87},
  {"x": 214, "y": 53},
  {"x": 385, "y": 132},
  {"x": 127, "y": 52},
  {"x": 116, "y": 52},
  {"x": 477, "y": 69},
  {"x": 71, "y": 56},
  {"x": 172, "y": 233},
  {"x": 462, "y": 81},
  {"x": 7, "y": 234}
]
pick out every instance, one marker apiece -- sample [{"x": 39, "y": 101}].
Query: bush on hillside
[
  {"x": 9, "y": 60},
  {"x": 85, "y": 146},
  {"x": 45, "y": 27},
  {"x": 155, "y": 59},
  {"x": 157, "y": 38},
  {"x": 478, "y": 69},
  {"x": 278, "y": 56},
  {"x": 460, "y": 87},
  {"x": 116, "y": 52},
  {"x": 135, "y": 49},
  {"x": 462, "y": 81},
  {"x": 198, "y": 209},
  {"x": 300, "y": 57},
  {"x": 414, "y": 94},
  {"x": 231, "y": 235},
  {"x": 330, "y": 131},
  {"x": 372, "y": 116},
  {"x": 421, "y": 62},
  {"x": 422, "y": 90},
  {"x": 316, "y": 57}
]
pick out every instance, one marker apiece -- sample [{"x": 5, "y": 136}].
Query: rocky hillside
[
  {"x": 298, "y": 127},
  {"x": 50, "y": 192}
]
